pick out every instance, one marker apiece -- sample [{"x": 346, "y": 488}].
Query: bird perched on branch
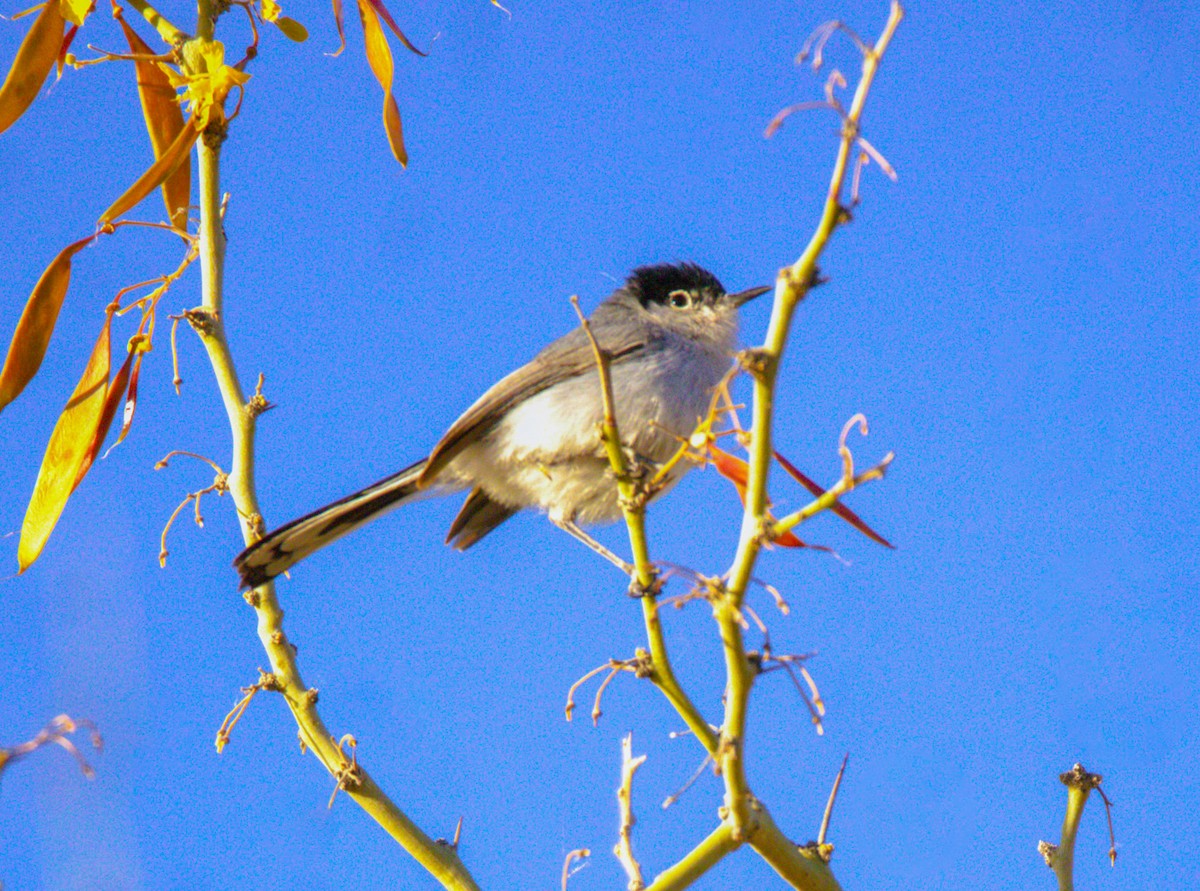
[{"x": 531, "y": 440}]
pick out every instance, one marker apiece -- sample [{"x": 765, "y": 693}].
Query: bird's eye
[{"x": 680, "y": 299}]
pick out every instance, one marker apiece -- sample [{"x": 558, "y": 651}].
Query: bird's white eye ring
[{"x": 680, "y": 299}]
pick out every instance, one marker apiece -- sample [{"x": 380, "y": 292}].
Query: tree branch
[{"x": 440, "y": 860}]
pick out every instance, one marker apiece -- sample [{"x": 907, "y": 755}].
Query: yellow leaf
[
  {"x": 113, "y": 395},
  {"x": 176, "y": 153},
  {"x": 164, "y": 121},
  {"x": 379, "y": 55},
  {"x": 292, "y": 29},
  {"x": 66, "y": 452},
  {"x": 270, "y": 10},
  {"x": 75, "y": 11},
  {"x": 33, "y": 62},
  {"x": 32, "y": 336}
]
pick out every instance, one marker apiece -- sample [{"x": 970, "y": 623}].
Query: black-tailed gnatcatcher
[{"x": 531, "y": 440}]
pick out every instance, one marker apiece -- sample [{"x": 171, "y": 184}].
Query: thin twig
[
  {"x": 828, "y": 815},
  {"x": 266, "y": 681},
  {"x": 624, "y": 847},
  {"x": 691, "y": 781},
  {"x": 580, "y": 854},
  {"x": 56, "y": 733}
]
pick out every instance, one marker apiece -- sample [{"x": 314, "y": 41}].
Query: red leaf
[
  {"x": 737, "y": 472},
  {"x": 68, "y": 39},
  {"x": 130, "y": 401},
  {"x": 391, "y": 22},
  {"x": 838, "y": 508}
]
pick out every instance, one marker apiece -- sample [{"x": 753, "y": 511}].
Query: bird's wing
[{"x": 567, "y": 357}]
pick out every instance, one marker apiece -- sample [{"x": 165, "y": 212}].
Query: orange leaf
[
  {"x": 737, "y": 472},
  {"x": 66, "y": 452},
  {"x": 379, "y": 55},
  {"x": 164, "y": 122},
  {"x": 378, "y": 6},
  {"x": 33, "y": 62},
  {"x": 174, "y": 155},
  {"x": 116, "y": 390},
  {"x": 732, "y": 468},
  {"x": 32, "y": 336},
  {"x": 838, "y": 508}
]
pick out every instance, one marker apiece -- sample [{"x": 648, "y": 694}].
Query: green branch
[
  {"x": 792, "y": 285},
  {"x": 1061, "y": 857},
  {"x": 440, "y": 860},
  {"x": 699, "y": 860},
  {"x": 633, "y": 507},
  {"x": 165, "y": 29}
]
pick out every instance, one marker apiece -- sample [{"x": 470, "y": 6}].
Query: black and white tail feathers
[{"x": 291, "y": 543}]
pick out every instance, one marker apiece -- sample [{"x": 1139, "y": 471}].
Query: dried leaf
[
  {"x": 164, "y": 122},
  {"x": 112, "y": 398},
  {"x": 131, "y": 398},
  {"x": 33, "y": 62},
  {"x": 32, "y": 336},
  {"x": 176, "y": 153},
  {"x": 379, "y": 55},
  {"x": 66, "y": 452},
  {"x": 382, "y": 10},
  {"x": 291, "y": 29},
  {"x": 339, "y": 20},
  {"x": 838, "y": 508}
]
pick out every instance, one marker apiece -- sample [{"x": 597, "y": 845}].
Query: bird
[{"x": 531, "y": 440}]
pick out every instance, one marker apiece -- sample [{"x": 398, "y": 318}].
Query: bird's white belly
[{"x": 547, "y": 452}]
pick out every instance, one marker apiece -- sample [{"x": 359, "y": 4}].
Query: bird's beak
[{"x": 746, "y": 296}]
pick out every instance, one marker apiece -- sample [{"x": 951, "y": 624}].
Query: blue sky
[{"x": 1017, "y": 316}]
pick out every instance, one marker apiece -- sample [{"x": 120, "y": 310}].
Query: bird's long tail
[{"x": 289, "y": 544}]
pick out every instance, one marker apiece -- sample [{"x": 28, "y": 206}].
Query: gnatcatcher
[{"x": 531, "y": 440}]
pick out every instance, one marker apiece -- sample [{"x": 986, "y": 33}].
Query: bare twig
[
  {"x": 220, "y": 485},
  {"x": 624, "y": 847},
  {"x": 828, "y": 815},
  {"x": 348, "y": 774},
  {"x": 266, "y": 681},
  {"x": 579, "y": 854},
  {"x": 56, "y": 733},
  {"x": 691, "y": 781}
]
